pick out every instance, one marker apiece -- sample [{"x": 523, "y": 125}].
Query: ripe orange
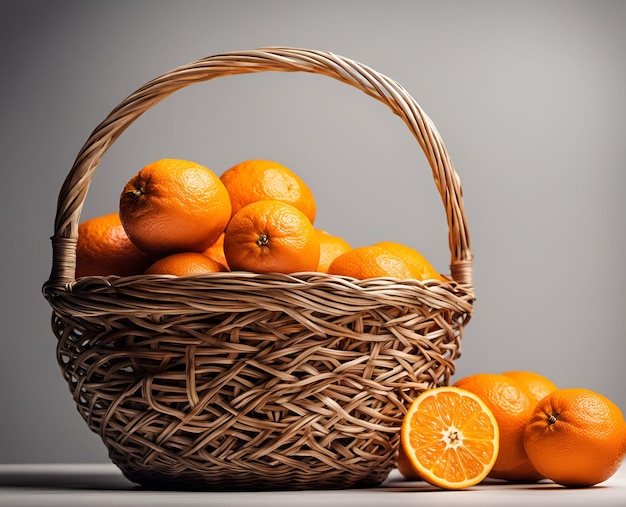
[
  {"x": 450, "y": 437},
  {"x": 331, "y": 247},
  {"x": 512, "y": 406},
  {"x": 370, "y": 262},
  {"x": 185, "y": 264},
  {"x": 576, "y": 437},
  {"x": 104, "y": 248},
  {"x": 536, "y": 384},
  {"x": 422, "y": 269},
  {"x": 404, "y": 466},
  {"x": 216, "y": 251},
  {"x": 271, "y": 236},
  {"x": 261, "y": 180},
  {"x": 174, "y": 206}
]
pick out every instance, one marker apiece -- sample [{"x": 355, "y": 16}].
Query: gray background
[{"x": 528, "y": 96}]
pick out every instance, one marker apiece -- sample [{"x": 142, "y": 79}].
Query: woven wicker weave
[{"x": 247, "y": 381}]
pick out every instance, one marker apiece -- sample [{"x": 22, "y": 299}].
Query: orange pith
[
  {"x": 271, "y": 236},
  {"x": 174, "y": 206},
  {"x": 450, "y": 437},
  {"x": 260, "y": 180}
]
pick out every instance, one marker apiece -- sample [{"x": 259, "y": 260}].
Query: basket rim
[
  {"x": 319, "y": 292},
  {"x": 75, "y": 187}
]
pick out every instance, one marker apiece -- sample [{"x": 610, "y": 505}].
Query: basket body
[
  {"x": 246, "y": 381},
  {"x": 302, "y": 385}
]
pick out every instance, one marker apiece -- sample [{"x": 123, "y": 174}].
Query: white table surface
[{"x": 93, "y": 485}]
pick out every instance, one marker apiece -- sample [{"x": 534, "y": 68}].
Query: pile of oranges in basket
[{"x": 177, "y": 217}]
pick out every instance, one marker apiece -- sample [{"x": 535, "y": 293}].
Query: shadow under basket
[{"x": 244, "y": 381}]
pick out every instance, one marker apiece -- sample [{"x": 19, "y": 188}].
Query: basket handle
[{"x": 74, "y": 189}]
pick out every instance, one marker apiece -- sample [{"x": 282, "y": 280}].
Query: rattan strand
[{"x": 247, "y": 381}]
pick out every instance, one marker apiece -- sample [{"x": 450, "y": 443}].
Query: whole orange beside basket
[{"x": 243, "y": 381}]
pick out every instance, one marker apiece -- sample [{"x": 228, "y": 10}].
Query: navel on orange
[
  {"x": 104, "y": 248},
  {"x": 271, "y": 237},
  {"x": 174, "y": 206},
  {"x": 260, "y": 180},
  {"x": 450, "y": 437},
  {"x": 576, "y": 437},
  {"x": 185, "y": 264}
]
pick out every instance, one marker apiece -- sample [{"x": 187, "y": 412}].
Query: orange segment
[{"x": 450, "y": 437}]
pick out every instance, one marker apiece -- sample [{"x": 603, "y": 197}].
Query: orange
[
  {"x": 512, "y": 406},
  {"x": 538, "y": 385},
  {"x": 185, "y": 264},
  {"x": 330, "y": 248},
  {"x": 104, "y": 248},
  {"x": 450, "y": 437},
  {"x": 404, "y": 466},
  {"x": 370, "y": 262},
  {"x": 271, "y": 236},
  {"x": 576, "y": 437},
  {"x": 261, "y": 180},
  {"x": 216, "y": 251},
  {"x": 422, "y": 269},
  {"x": 174, "y": 206}
]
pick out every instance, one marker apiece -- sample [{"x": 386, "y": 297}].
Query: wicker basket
[{"x": 244, "y": 381}]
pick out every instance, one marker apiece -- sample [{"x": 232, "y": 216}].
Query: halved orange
[{"x": 450, "y": 437}]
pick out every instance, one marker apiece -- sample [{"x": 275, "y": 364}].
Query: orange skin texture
[
  {"x": 104, "y": 248},
  {"x": 404, "y": 466},
  {"x": 538, "y": 386},
  {"x": 185, "y": 264},
  {"x": 512, "y": 406},
  {"x": 576, "y": 437},
  {"x": 216, "y": 251},
  {"x": 331, "y": 247},
  {"x": 371, "y": 262},
  {"x": 174, "y": 206},
  {"x": 260, "y": 180},
  {"x": 271, "y": 237},
  {"x": 421, "y": 268}
]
